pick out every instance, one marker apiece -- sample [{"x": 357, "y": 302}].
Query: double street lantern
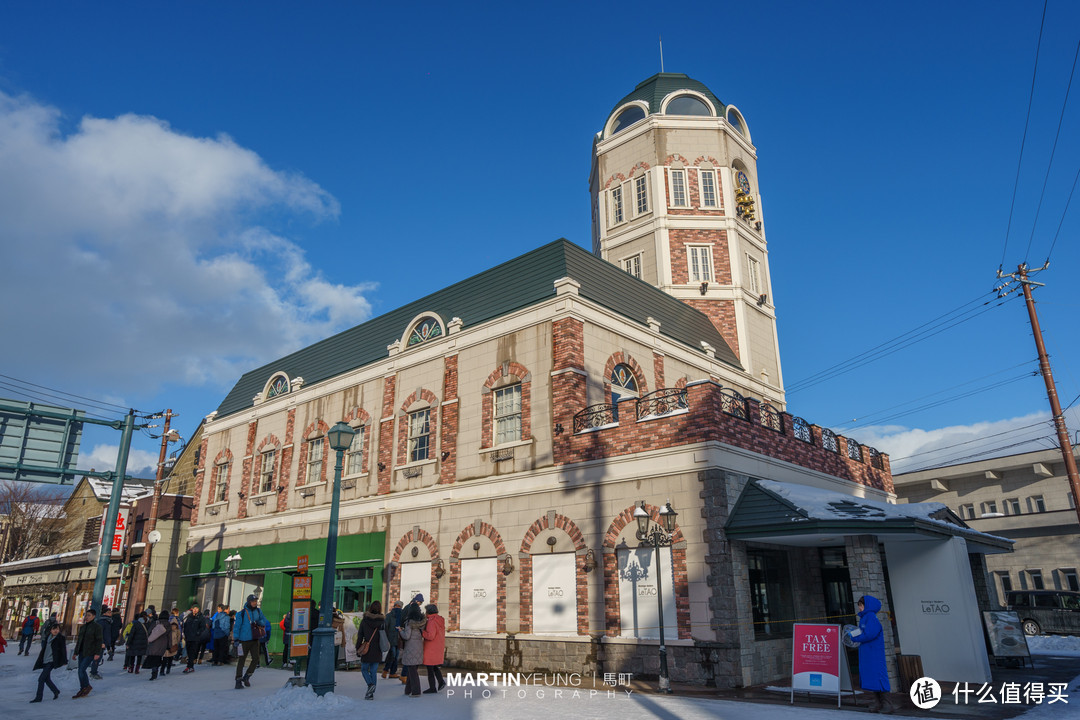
[
  {"x": 320, "y": 671},
  {"x": 658, "y": 536},
  {"x": 232, "y": 565}
]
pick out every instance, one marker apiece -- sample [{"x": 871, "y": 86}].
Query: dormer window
[
  {"x": 626, "y": 118},
  {"x": 735, "y": 121},
  {"x": 278, "y": 385},
  {"x": 687, "y": 105},
  {"x": 425, "y": 329}
]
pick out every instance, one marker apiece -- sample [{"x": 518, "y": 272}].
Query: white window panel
[
  {"x": 555, "y": 594},
  {"x": 479, "y": 594},
  {"x": 355, "y": 455},
  {"x": 678, "y": 188},
  {"x": 753, "y": 274},
  {"x": 708, "y": 188},
  {"x": 632, "y": 265},
  {"x": 637, "y": 573},
  {"x": 641, "y": 194},
  {"x": 699, "y": 258},
  {"x": 508, "y": 414},
  {"x": 617, "y": 214}
]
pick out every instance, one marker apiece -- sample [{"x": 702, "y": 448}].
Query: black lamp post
[
  {"x": 320, "y": 671},
  {"x": 658, "y": 536},
  {"x": 232, "y": 567}
]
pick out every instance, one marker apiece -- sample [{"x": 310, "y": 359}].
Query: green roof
[
  {"x": 513, "y": 285},
  {"x": 660, "y": 85}
]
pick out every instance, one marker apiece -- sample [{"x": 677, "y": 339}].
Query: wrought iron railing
[
  {"x": 800, "y": 430},
  {"x": 854, "y": 450},
  {"x": 662, "y": 402},
  {"x": 769, "y": 417},
  {"x": 875, "y": 458},
  {"x": 734, "y": 404},
  {"x": 594, "y": 416},
  {"x": 829, "y": 441}
]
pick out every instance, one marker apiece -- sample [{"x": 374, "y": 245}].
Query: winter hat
[
  {"x": 418, "y": 599},
  {"x": 252, "y": 598}
]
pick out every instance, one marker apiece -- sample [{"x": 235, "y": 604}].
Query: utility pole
[
  {"x": 142, "y": 574},
  {"x": 1021, "y": 276}
]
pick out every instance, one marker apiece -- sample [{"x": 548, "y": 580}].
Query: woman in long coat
[
  {"x": 157, "y": 643},
  {"x": 369, "y": 632},
  {"x": 873, "y": 675},
  {"x": 412, "y": 655},
  {"x": 137, "y": 640},
  {"x": 434, "y": 648},
  {"x": 53, "y": 655}
]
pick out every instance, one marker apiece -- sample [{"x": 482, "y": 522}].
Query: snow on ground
[
  {"x": 209, "y": 692},
  {"x": 1054, "y": 645}
]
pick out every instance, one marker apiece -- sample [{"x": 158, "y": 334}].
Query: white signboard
[
  {"x": 110, "y": 596},
  {"x": 415, "y": 578},
  {"x": 637, "y": 593},
  {"x": 554, "y": 594},
  {"x": 479, "y": 594},
  {"x": 122, "y": 518}
]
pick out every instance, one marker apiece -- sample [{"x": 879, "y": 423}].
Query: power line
[
  {"x": 38, "y": 397},
  {"x": 957, "y": 460},
  {"x": 984, "y": 438},
  {"x": 1050, "y": 164},
  {"x": 1023, "y": 141},
  {"x": 1063, "y": 213},
  {"x": 936, "y": 326},
  {"x": 101, "y": 403}
]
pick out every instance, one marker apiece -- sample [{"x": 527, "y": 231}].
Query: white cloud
[
  {"x": 141, "y": 464},
  {"x": 917, "y": 448},
  {"x": 134, "y": 254}
]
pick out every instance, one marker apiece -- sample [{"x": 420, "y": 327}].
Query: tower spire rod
[{"x": 661, "y": 52}]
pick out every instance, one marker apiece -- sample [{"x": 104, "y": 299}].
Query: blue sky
[{"x": 190, "y": 190}]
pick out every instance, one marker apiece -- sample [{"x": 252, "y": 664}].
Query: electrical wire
[
  {"x": 102, "y": 404},
  {"x": 1023, "y": 141},
  {"x": 985, "y": 453},
  {"x": 1050, "y": 164},
  {"x": 936, "y": 326},
  {"x": 984, "y": 438},
  {"x": 1063, "y": 213},
  {"x": 41, "y": 397}
]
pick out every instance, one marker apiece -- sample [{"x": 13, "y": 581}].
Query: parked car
[{"x": 1046, "y": 611}]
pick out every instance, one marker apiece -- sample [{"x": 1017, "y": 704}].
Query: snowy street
[{"x": 209, "y": 692}]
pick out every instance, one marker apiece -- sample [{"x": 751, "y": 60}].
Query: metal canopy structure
[{"x": 39, "y": 443}]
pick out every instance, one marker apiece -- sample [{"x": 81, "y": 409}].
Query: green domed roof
[{"x": 659, "y": 86}]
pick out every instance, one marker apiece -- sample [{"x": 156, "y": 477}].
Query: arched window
[
  {"x": 623, "y": 385},
  {"x": 626, "y": 118},
  {"x": 279, "y": 385},
  {"x": 687, "y": 105},
  {"x": 736, "y": 122},
  {"x": 425, "y": 329}
]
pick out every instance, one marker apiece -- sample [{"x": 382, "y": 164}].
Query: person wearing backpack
[
  {"x": 196, "y": 633},
  {"x": 157, "y": 644},
  {"x": 221, "y": 627},
  {"x": 174, "y": 645},
  {"x": 369, "y": 646},
  {"x": 26, "y": 635},
  {"x": 249, "y": 628}
]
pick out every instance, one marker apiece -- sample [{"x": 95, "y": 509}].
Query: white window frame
[
  {"x": 753, "y": 274},
  {"x": 702, "y": 173},
  {"x": 618, "y": 210},
  {"x": 221, "y": 481},
  {"x": 699, "y": 255},
  {"x": 632, "y": 265},
  {"x": 674, "y": 173},
  {"x": 266, "y": 475},
  {"x": 504, "y": 415},
  {"x": 415, "y": 437},
  {"x": 313, "y": 471},
  {"x": 641, "y": 194},
  {"x": 354, "y": 456}
]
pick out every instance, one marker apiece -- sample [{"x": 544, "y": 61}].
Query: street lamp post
[
  {"x": 320, "y": 671},
  {"x": 658, "y": 536},
  {"x": 232, "y": 567}
]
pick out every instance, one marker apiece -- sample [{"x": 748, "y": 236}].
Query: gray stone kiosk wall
[{"x": 867, "y": 569}]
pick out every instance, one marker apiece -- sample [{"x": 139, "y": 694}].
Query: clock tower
[{"x": 676, "y": 202}]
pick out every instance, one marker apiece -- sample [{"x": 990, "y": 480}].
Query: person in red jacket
[{"x": 434, "y": 648}]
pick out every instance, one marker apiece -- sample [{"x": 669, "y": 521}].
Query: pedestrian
[
  {"x": 393, "y": 620},
  {"x": 26, "y": 634},
  {"x": 873, "y": 675},
  {"x": 369, "y": 646},
  {"x": 46, "y": 627},
  {"x": 220, "y": 638},
  {"x": 412, "y": 656},
  {"x": 286, "y": 634},
  {"x": 114, "y": 633},
  {"x": 157, "y": 644},
  {"x": 196, "y": 632},
  {"x": 53, "y": 655},
  {"x": 88, "y": 646},
  {"x": 105, "y": 620},
  {"x": 174, "y": 644},
  {"x": 434, "y": 648},
  {"x": 264, "y": 648},
  {"x": 137, "y": 641},
  {"x": 3, "y": 643},
  {"x": 250, "y": 625}
]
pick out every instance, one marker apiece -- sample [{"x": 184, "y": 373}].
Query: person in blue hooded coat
[{"x": 870, "y": 639}]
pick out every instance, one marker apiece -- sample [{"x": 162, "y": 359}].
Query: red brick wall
[
  {"x": 200, "y": 476},
  {"x": 385, "y": 451},
  {"x": 245, "y": 481},
  {"x": 395, "y": 583},
  {"x": 568, "y": 392},
  {"x": 285, "y": 475},
  {"x": 450, "y": 414},
  {"x": 522, "y": 375},
  {"x": 658, "y": 370},
  {"x": 679, "y": 238},
  {"x": 722, "y": 315}
]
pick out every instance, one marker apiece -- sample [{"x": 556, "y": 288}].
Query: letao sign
[{"x": 818, "y": 662}]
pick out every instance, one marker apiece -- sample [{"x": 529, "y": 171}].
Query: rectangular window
[
  {"x": 641, "y": 194},
  {"x": 1036, "y": 579},
  {"x": 708, "y": 188},
  {"x": 1006, "y": 583},
  {"x": 989, "y": 508},
  {"x": 314, "y": 461},
  {"x": 1012, "y": 506},
  {"x": 508, "y": 414},
  {"x": 753, "y": 274},
  {"x": 700, "y": 257},
  {"x": 355, "y": 455},
  {"x": 1071, "y": 580},
  {"x": 632, "y": 265},
  {"x": 616, "y": 206},
  {"x": 678, "y": 188},
  {"x": 221, "y": 482},
  {"x": 266, "y": 472},
  {"x": 967, "y": 512},
  {"x": 770, "y": 593},
  {"x": 1036, "y": 504},
  {"x": 419, "y": 435}
]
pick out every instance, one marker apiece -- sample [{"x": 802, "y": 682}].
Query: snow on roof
[
  {"x": 15, "y": 564},
  {"x": 133, "y": 489}
]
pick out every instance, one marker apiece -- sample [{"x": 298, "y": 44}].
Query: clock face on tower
[{"x": 743, "y": 181}]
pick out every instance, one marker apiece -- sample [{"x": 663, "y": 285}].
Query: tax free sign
[{"x": 815, "y": 659}]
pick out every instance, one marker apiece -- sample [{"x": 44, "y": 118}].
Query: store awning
[{"x": 792, "y": 514}]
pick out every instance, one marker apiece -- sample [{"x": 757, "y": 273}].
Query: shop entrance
[
  {"x": 353, "y": 588},
  {"x": 839, "y": 604}
]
